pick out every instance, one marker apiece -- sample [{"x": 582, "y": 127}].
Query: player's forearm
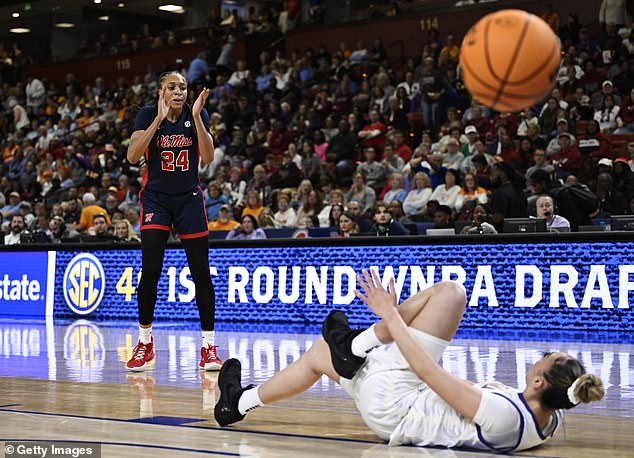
[
  {"x": 139, "y": 142},
  {"x": 205, "y": 142}
]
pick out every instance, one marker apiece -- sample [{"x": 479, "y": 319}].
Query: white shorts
[{"x": 385, "y": 387}]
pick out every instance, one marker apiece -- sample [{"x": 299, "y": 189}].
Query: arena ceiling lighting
[
  {"x": 15, "y": 14},
  {"x": 64, "y": 25},
  {"x": 19, "y": 30},
  {"x": 171, "y": 8}
]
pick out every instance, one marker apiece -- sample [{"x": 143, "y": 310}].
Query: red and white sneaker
[
  {"x": 143, "y": 354},
  {"x": 209, "y": 360}
]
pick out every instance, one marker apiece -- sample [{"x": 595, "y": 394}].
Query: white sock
[
  {"x": 208, "y": 338},
  {"x": 145, "y": 335},
  {"x": 249, "y": 400},
  {"x": 364, "y": 342}
]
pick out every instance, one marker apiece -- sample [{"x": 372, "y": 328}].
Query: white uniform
[{"x": 403, "y": 410}]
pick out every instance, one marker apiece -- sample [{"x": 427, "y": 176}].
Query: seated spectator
[
  {"x": 253, "y": 205},
  {"x": 16, "y": 228},
  {"x": 541, "y": 163},
  {"x": 124, "y": 232},
  {"x": 12, "y": 207},
  {"x": 470, "y": 194},
  {"x": 90, "y": 210},
  {"x": 417, "y": 198},
  {"x": 248, "y": 229},
  {"x": 98, "y": 232},
  {"x": 568, "y": 160},
  {"x": 392, "y": 163},
  {"x": 373, "y": 171},
  {"x": 611, "y": 201},
  {"x": 285, "y": 215},
  {"x": 479, "y": 222},
  {"x": 312, "y": 207},
  {"x": 396, "y": 190},
  {"x": 384, "y": 223},
  {"x": 361, "y": 192},
  {"x": 625, "y": 118},
  {"x": 545, "y": 208},
  {"x": 58, "y": 232},
  {"x": 447, "y": 193},
  {"x": 214, "y": 200},
  {"x": 452, "y": 157},
  {"x": 266, "y": 219},
  {"x": 336, "y": 210},
  {"x": 347, "y": 225},
  {"x": 443, "y": 217},
  {"x": 606, "y": 115},
  {"x": 224, "y": 221},
  {"x": 507, "y": 199},
  {"x": 355, "y": 209}
]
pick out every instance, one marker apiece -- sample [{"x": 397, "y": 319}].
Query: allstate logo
[{"x": 84, "y": 283}]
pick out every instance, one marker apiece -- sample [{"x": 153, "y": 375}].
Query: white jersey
[
  {"x": 402, "y": 409},
  {"x": 503, "y": 423}
]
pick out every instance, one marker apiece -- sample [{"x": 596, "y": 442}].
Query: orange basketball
[{"x": 509, "y": 60}]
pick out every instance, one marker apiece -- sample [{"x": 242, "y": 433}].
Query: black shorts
[{"x": 186, "y": 212}]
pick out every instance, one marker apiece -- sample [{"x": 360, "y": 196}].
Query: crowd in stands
[{"x": 337, "y": 139}]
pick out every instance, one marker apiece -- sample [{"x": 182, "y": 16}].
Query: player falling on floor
[
  {"x": 174, "y": 137},
  {"x": 403, "y": 394}
]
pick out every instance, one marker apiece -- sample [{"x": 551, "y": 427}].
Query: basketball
[{"x": 509, "y": 60}]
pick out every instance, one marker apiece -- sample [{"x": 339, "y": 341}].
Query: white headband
[{"x": 571, "y": 392}]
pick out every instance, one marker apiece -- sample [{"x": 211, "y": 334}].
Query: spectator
[
  {"x": 285, "y": 215},
  {"x": 12, "y": 207},
  {"x": 479, "y": 222},
  {"x": 347, "y": 225},
  {"x": 447, "y": 193},
  {"x": 355, "y": 208},
  {"x": 248, "y": 229},
  {"x": 443, "y": 217},
  {"x": 253, "y": 205},
  {"x": 361, "y": 192},
  {"x": 372, "y": 170},
  {"x": 58, "y": 232},
  {"x": 16, "y": 228},
  {"x": 384, "y": 223},
  {"x": 507, "y": 199},
  {"x": 470, "y": 194},
  {"x": 224, "y": 220},
  {"x": 98, "y": 231},
  {"x": 545, "y": 206},
  {"x": 198, "y": 70},
  {"x": 541, "y": 163},
  {"x": 125, "y": 233},
  {"x": 568, "y": 160},
  {"x": 396, "y": 190},
  {"x": 89, "y": 211}
]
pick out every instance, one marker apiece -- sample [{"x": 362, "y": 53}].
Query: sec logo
[{"x": 84, "y": 283}]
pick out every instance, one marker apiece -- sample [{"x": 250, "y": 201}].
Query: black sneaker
[
  {"x": 338, "y": 336},
  {"x": 229, "y": 382}
]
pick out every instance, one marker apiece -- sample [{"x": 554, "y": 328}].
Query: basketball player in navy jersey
[
  {"x": 173, "y": 137},
  {"x": 403, "y": 394}
]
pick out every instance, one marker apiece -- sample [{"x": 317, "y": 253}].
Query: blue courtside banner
[
  {"x": 559, "y": 285},
  {"x": 23, "y": 283}
]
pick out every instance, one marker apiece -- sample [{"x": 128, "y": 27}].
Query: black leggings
[{"x": 153, "y": 243}]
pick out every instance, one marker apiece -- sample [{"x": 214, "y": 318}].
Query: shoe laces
[
  {"x": 139, "y": 351},
  {"x": 211, "y": 351}
]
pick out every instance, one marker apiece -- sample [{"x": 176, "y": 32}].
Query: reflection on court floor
[{"x": 85, "y": 351}]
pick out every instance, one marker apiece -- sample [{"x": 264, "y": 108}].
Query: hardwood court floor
[{"x": 66, "y": 382}]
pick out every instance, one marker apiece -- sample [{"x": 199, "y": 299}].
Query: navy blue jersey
[{"x": 172, "y": 156}]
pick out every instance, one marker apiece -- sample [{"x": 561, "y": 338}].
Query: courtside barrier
[{"x": 541, "y": 281}]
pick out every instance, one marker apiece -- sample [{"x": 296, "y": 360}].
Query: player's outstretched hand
[
  {"x": 163, "y": 104},
  {"x": 380, "y": 301},
  {"x": 200, "y": 102}
]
